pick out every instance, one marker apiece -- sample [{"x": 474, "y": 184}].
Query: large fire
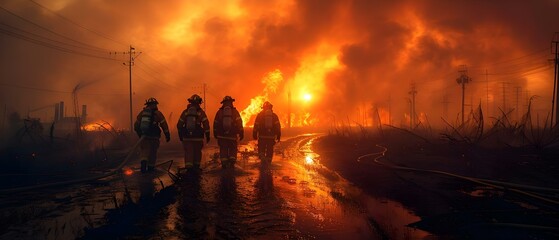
[
  {"x": 306, "y": 85},
  {"x": 271, "y": 82},
  {"x": 97, "y": 126}
]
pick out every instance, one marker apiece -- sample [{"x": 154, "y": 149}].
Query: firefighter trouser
[
  {"x": 148, "y": 150},
  {"x": 227, "y": 151},
  {"x": 192, "y": 152},
  {"x": 266, "y": 148}
]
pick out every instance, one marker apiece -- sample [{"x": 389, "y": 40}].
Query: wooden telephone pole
[{"x": 463, "y": 80}]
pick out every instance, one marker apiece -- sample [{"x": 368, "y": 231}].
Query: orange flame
[
  {"x": 271, "y": 82},
  {"x": 97, "y": 126},
  {"x": 127, "y": 171},
  {"x": 383, "y": 116},
  {"x": 302, "y": 119}
]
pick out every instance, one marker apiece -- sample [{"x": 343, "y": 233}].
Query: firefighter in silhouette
[
  {"x": 227, "y": 126},
  {"x": 267, "y": 130},
  {"x": 193, "y": 126},
  {"x": 148, "y": 124}
]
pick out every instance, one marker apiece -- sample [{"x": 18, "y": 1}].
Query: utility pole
[
  {"x": 463, "y": 80},
  {"x": 445, "y": 106},
  {"x": 411, "y": 124},
  {"x": 526, "y": 100},
  {"x": 132, "y": 56},
  {"x": 554, "y": 104},
  {"x": 413, "y": 92},
  {"x": 130, "y": 62}
]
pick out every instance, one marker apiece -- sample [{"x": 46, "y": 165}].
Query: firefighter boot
[
  {"x": 144, "y": 166},
  {"x": 196, "y": 168},
  {"x": 232, "y": 162},
  {"x": 224, "y": 163}
]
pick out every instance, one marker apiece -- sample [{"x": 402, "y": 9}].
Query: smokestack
[
  {"x": 56, "y": 111},
  {"x": 61, "y": 111},
  {"x": 84, "y": 113}
]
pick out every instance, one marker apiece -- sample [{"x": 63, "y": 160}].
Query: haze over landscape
[{"x": 340, "y": 60}]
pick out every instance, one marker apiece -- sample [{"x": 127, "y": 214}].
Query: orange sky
[{"x": 346, "y": 56}]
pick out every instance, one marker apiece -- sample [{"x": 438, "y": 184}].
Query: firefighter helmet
[
  {"x": 195, "y": 99},
  {"x": 151, "y": 101},
  {"x": 227, "y": 99},
  {"x": 267, "y": 105}
]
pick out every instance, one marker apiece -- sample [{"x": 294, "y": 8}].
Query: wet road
[{"x": 294, "y": 197}]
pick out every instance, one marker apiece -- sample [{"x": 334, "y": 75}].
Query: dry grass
[{"x": 476, "y": 131}]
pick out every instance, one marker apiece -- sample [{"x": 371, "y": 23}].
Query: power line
[
  {"x": 515, "y": 62},
  {"x": 50, "y": 45},
  {"x": 520, "y": 73},
  {"x": 53, "y": 32},
  {"x": 23, "y": 32},
  {"x": 79, "y": 25},
  {"x": 524, "y": 58},
  {"x": 150, "y": 68},
  {"x": 159, "y": 81},
  {"x": 54, "y": 90}
]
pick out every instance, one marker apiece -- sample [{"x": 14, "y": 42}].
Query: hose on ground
[
  {"x": 491, "y": 183},
  {"x": 74, "y": 181}
]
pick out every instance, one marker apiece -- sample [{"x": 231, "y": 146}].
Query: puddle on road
[
  {"x": 294, "y": 197},
  {"x": 66, "y": 212},
  {"x": 342, "y": 210}
]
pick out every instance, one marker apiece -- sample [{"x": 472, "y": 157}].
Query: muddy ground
[
  {"x": 319, "y": 186},
  {"x": 451, "y": 207},
  {"x": 296, "y": 197}
]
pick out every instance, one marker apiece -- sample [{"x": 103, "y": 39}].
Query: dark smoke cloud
[{"x": 381, "y": 47}]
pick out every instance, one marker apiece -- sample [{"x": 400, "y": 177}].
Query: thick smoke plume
[{"x": 339, "y": 60}]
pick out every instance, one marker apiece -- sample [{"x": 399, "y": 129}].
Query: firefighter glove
[
  {"x": 207, "y": 137},
  {"x": 277, "y": 139},
  {"x": 167, "y": 136}
]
